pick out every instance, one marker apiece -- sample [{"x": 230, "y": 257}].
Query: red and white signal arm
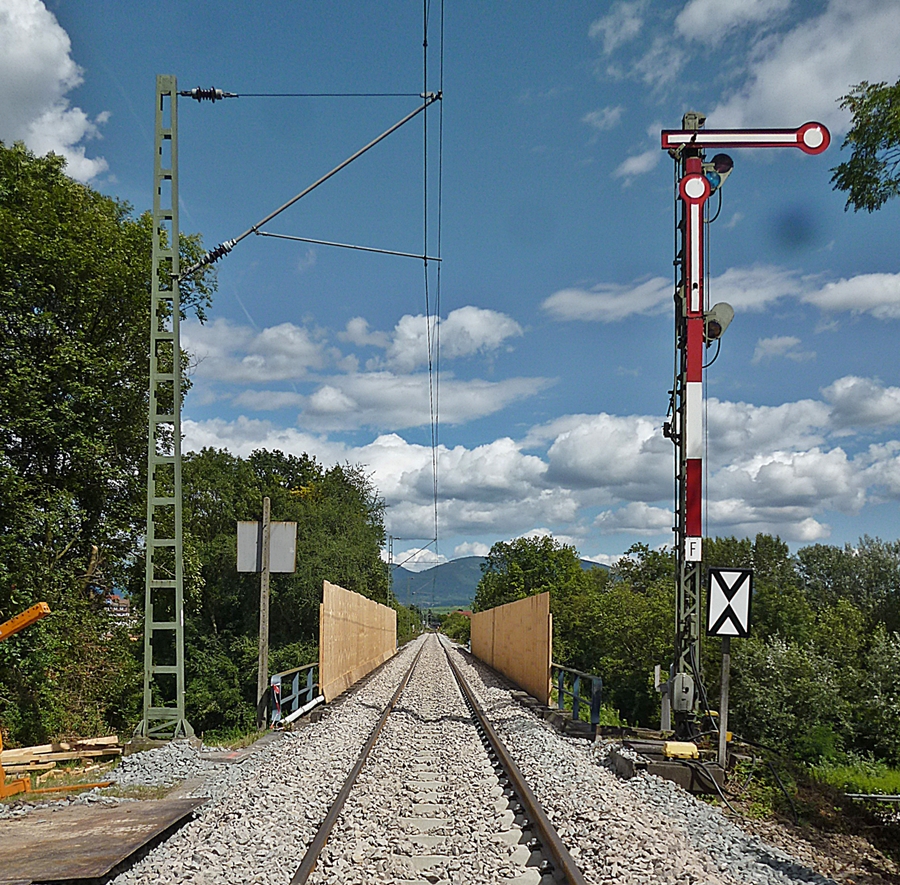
[
  {"x": 811, "y": 138},
  {"x": 728, "y": 602}
]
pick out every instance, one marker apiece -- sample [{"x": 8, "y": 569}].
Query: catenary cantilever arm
[{"x": 224, "y": 248}]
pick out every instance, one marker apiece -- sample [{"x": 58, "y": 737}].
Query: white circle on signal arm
[
  {"x": 695, "y": 187},
  {"x": 813, "y": 137}
]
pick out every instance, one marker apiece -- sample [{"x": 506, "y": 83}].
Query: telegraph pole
[
  {"x": 262, "y": 675},
  {"x": 696, "y": 326}
]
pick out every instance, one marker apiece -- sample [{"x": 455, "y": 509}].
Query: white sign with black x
[{"x": 728, "y": 612}]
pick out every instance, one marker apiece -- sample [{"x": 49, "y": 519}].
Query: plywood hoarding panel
[
  {"x": 516, "y": 639},
  {"x": 356, "y": 635}
]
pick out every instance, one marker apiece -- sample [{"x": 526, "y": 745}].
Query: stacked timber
[{"x": 24, "y": 760}]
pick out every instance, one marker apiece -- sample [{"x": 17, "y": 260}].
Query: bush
[
  {"x": 784, "y": 694},
  {"x": 457, "y": 627}
]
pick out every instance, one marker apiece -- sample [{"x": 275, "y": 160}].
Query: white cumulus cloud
[
  {"x": 862, "y": 402},
  {"x": 798, "y": 76},
  {"x": 37, "y": 72},
  {"x": 708, "y": 21},
  {"x": 874, "y": 293},
  {"x": 466, "y": 331},
  {"x": 636, "y": 518},
  {"x": 227, "y": 352}
]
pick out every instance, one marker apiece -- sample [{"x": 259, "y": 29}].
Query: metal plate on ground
[{"x": 82, "y": 841}]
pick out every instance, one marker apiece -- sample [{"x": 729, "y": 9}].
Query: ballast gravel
[
  {"x": 427, "y": 802},
  {"x": 641, "y": 831},
  {"x": 263, "y": 812}
]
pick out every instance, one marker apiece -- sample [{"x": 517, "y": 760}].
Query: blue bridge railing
[
  {"x": 582, "y": 688},
  {"x": 292, "y": 693}
]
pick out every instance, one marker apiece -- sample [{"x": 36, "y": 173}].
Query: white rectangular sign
[{"x": 282, "y": 546}]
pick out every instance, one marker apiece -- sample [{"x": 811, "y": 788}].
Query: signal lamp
[
  {"x": 716, "y": 320},
  {"x": 717, "y": 170}
]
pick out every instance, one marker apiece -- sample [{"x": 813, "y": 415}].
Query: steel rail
[
  {"x": 537, "y": 817},
  {"x": 308, "y": 864}
]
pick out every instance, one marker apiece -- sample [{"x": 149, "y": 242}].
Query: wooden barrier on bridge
[
  {"x": 516, "y": 639},
  {"x": 355, "y": 636}
]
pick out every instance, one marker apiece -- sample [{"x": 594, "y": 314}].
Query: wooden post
[
  {"x": 262, "y": 680},
  {"x": 723, "y": 702}
]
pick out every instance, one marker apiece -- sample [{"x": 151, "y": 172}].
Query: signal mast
[{"x": 696, "y": 327}]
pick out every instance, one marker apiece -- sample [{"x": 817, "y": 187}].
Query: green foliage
[
  {"x": 817, "y": 680},
  {"x": 409, "y": 622},
  {"x": 784, "y": 694},
  {"x": 525, "y": 567},
  {"x": 878, "y": 713},
  {"x": 74, "y": 320},
  {"x": 529, "y": 566},
  {"x": 870, "y": 177},
  {"x": 632, "y": 622},
  {"x": 458, "y": 627},
  {"x": 340, "y": 534},
  {"x": 858, "y": 775}
]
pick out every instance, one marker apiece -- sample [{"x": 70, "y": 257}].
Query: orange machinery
[{"x": 7, "y": 629}]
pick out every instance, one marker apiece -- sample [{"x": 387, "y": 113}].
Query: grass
[
  {"x": 608, "y": 715},
  {"x": 859, "y": 776},
  {"x": 232, "y": 738}
]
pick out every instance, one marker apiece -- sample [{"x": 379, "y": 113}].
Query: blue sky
[{"x": 556, "y": 340}]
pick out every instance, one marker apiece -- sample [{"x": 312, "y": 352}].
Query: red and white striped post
[{"x": 687, "y": 147}]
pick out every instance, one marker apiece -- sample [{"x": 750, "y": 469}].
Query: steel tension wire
[
  {"x": 266, "y": 233},
  {"x": 224, "y": 248},
  {"x": 198, "y": 93}
]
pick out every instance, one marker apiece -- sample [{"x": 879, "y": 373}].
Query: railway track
[
  {"x": 436, "y": 797},
  {"x": 430, "y": 804}
]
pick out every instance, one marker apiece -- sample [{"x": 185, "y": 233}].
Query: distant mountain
[{"x": 449, "y": 584}]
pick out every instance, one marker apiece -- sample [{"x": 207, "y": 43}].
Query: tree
[
  {"x": 872, "y": 174},
  {"x": 528, "y": 566},
  {"x": 457, "y": 626},
  {"x": 525, "y": 567},
  {"x": 340, "y": 521},
  {"x": 74, "y": 377}
]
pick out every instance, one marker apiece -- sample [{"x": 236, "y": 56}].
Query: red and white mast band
[{"x": 694, "y": 189}]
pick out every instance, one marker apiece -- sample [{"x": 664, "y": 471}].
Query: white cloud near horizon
[
  {"x": 386, "y": 400},
  {"x": 745, "y": 288},
  {"x": 773, "y": 469},
  {"x": 225, "y": 351},
  {"x": 37, "y": 72}
]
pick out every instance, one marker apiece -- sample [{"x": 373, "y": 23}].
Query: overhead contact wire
[
  {"x": 440, "y": 185},
  {"x": 327, "y": 95},
  {"x": 431, "y": 325}
]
